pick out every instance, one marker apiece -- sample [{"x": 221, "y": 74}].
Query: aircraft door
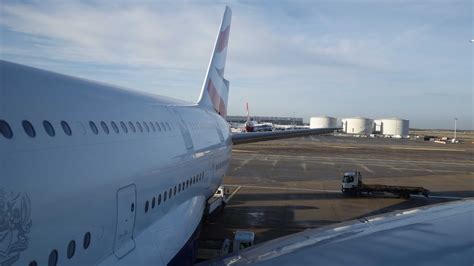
[
  {"x": 188, "y": 141},
  {"x": 126, "y": 213}
]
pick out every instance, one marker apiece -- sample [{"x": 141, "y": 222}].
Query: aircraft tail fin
[{"x": 215, "y": 89}]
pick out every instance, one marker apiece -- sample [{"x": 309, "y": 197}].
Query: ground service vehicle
[
  {"x": 352, "y": 185},
  {"x": 213, "y": 248},
  {"x": 216, "y": 202}
]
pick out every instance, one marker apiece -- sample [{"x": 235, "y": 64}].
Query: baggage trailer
[{"x": 352, "y": 185}]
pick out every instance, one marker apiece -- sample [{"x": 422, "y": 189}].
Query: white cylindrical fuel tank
[
  {"x": 358, "y": 125},
  {"x": 323, "y": 122},
  {"x": 395, "y": 127},
  {"x": 378, "y": 126}
]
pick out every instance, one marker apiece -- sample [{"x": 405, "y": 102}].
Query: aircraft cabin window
[
  {"x": 158, "y": 126},
  {"x": 5, "y": 129},
  {"x": 66, "y": 128},
  {"x": 153, "y": 203},
  {"x": 104, "y": 127},
  {"x": 168, "y": 125},
  {"x": 93, "y": 127},
  {"x": 183, "y": 185},
  {"x": 164, "y": 196},
  {"x": 132, "y": 127},
  {"x": 152, "y": 126},
  {"x": 87, "y": 240},
  {"x": 124, "y": 127},
  {"x": 114, "y": 127},
  {"x": 145, "y": 125},
  {"x": 139, "y": 127},
  {"x": 33, "y": 263},
  {"x": 28, "y": 127},
  {"x": 179, "y": 187},
  {"x": 174, "y": 192},
  {"x": 159, "y": 199},
  {"x": 146, "y": 206},
  {"x": 171, "y": 193},
  {"x": 53, "y": 258},
  {"x": 48, "y": 128},
  {"x": 163, "y": 126},
  {"x": 71, "y": 249}
]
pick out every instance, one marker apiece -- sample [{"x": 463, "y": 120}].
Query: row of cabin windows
[
  {"x": 70, "y": 251},
  {"x": 6, "y": 131},
  {"x": 130, "y": 126},
  {"x": 167, "y": 194}
]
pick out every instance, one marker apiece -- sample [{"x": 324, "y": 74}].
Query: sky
[{"x": 342, "y": 58}]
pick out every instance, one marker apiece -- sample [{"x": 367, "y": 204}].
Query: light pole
[{"x": 455, "y": 121}]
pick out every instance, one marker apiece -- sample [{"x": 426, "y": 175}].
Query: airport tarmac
[{"x": 281, "y": 187}]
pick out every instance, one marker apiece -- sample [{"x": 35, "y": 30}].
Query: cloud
[
  {"x": 315, "y": 51},
  {"x": 130, "y": 35},
  {"x": 175, "y": 36}
]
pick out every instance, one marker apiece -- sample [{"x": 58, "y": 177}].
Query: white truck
[
  {"x": 352, "y": 185},
  {"x": 213, "y": 248}
]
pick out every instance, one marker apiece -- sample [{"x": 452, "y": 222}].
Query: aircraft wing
[
  {"x": 433, "y": 235},
  {"x": 241, "y": 138}
]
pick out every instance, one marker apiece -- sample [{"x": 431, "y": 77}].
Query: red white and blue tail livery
[{"x": 215, "y": 89}]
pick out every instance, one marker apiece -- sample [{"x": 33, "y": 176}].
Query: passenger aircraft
[
  {"x": 254, "y": 126},
  {"x": 96, "y": 174}
]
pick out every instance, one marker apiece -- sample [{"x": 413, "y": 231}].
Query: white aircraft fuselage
[
  {"x": 132, "y": 195},
  {"x": 95, "y": 174}
]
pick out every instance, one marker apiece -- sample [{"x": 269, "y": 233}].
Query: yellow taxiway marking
[
  {"x": 342, "y": 147},
  {"x": 320, "y": 190},
  {"x": 242, "y": 151},
  {"x": 366, "y": 168},
  {"x": 283, "y": 188},
  {"x": 321, "y": 159},
  {"x": 244, "y": 162},
  {"x": 233, "y": 193},
  {"x": 425, "y": 149},
  {"x": 439, "y": 197}
]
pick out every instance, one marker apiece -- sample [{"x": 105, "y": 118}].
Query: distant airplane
[
  {"x": 95, "y": 174},
  {"x": 254, "y": 126}
]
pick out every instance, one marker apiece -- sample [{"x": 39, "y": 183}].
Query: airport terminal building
[{"x": 267, "y": 119}]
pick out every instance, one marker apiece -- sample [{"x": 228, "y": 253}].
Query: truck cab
[{"x": 351, "y": 181}]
